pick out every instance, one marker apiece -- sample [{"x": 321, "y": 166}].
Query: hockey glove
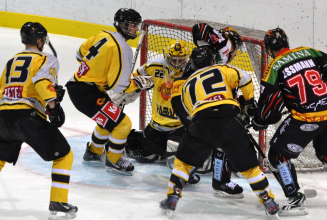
[
  {"x": 144, "y": 82},
  {"x": 125, "y": 98},
  {"x": 56, "y": 115},
  {"x": 249, "y": 107},
  {"x": 243, "y": 119},
  {"x": 60, "y": 92},
  {"x": 258, "y": 124}
]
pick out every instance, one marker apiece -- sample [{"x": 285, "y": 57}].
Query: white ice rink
[{"x": 25, "y": 188}]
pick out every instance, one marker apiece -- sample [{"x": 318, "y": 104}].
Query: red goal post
[{"x": 253, "y": 60}]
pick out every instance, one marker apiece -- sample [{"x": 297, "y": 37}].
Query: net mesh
[{"x": 250, "y": 60}]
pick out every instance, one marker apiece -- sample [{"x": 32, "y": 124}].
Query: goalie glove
[
  {"x": 56, "y": 115},
  {"x": 125, "y": 98},
  {"x": 144, "y": 82}
]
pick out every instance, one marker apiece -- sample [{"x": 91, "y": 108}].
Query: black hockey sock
[{"x": 221, "y": 168}]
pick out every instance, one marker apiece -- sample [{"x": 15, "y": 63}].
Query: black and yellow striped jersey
[
  {"x": 212, "y": 86},
  {"x": 106, "y": 60},
  {"x": 163, "y": 116},
  {"x": 27, "y": 81}
]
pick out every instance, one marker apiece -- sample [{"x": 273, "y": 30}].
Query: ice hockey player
[
  {"x": 27, "y": 95},
  {"x": 151, "y": 144},
  {"x": 224, "y": 43},
  {"x": 295, "y": 79},
  {"x": 106, "y": 61},
  {"x": 208, "y": 98}
]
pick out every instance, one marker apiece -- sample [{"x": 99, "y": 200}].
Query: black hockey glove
[
  {"x": 56, "y": 115},
  {"x": 243, "y": 119},
  {"x": 249, "y": 107},
  {"x": 60, "y": 92},
  {"x": 258, "y": 124}
]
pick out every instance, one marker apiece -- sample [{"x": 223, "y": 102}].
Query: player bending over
[
  {"x": 295, "y": 79},
  {"x": 106, "y": 61},
  {"x": 28, "y": 94},
  {"x": 208, "y": 98},
  {"x": 224, "y": 43}
]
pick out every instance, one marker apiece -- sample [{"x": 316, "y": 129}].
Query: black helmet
[
  {"x": 30, "y": 32},
  {"x": 201, "y": 57},
  {"x": 123, "y": 18},
  {"x": 275, "y": 39}
]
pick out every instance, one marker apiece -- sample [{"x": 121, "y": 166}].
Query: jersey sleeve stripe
[
  {"x": 45, "y": 59},
  {"x": 120, "y": 62},
  {"x": 37, "y": 81},
  {"x": 249, "y": 82}
]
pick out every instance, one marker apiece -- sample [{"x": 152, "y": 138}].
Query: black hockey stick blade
[{"x": 52, "y": 49}]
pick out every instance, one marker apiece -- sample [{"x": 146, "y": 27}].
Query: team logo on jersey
[
  {"x": 51, "y": 87},
  {"x": 177, "y": 88},
  {"x": 112, "y": 111},
  {"x": 309, "y": 127},
  {"x": 83, "y": 69},
  {"x": 295, "y": 148},
  {"x": 100, "y": 119},
  {"x": 166, "y": 112},
  {"x": 165, "y": 90},
  {"x": 53, "y": 72},
  {"x": 101, "y": 101},
  {"x": 13, "y": 91}
]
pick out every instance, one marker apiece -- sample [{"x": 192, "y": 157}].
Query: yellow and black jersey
[
  {"x": 106, "y": 60},
  {"x": 163, "y": 116},
  {"x": 212, "y": 86},
  {"x": 27, "y": 81}
]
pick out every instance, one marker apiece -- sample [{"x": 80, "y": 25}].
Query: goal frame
[{"x": 143, "y": 60}]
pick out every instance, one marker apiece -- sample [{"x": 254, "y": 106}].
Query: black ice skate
[
  {"x": 90, "y": 157},
  {"x": 194, "y": 179},
  {"x": 122, "y": 167},
  {"x": 65, "y": 208},
  {"x": 294, "y": 206},
  {"x": 168, "y": 205},
  {"x": 270, "y": 205},
  {"x": 227, "y": 190}
]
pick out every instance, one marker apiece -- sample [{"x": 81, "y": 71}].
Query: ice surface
[{"x": 25, "y": 188}]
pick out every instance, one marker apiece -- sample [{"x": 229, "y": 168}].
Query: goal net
[{"x": 253, "y": 60}]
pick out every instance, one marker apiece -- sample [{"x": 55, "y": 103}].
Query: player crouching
[{"x": 207, "y": 96}]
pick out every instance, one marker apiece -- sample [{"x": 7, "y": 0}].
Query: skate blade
[
  {"x": 294, "y": 212},
  {"x": 168, "y": 213},
  {"x": 221, "y": 194},
  {"x": 92, "y": 163},
  {"x": 118, "y": 172},
  {"x": 53, "y": 215},
  {"x": 275, "y": 216},
  {"x": 310, "y": 193}
]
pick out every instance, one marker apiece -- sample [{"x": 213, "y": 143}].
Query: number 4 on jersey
[{"x": 94, "y": 50}]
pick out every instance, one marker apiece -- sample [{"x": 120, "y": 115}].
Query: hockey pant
[
  {"x": 203, "y": 137},
  {"x": 113, "y": 126}
]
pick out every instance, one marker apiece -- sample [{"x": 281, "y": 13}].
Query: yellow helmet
[{"x": 176, "y": 55}]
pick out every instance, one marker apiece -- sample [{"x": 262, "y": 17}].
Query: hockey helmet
[
  {"x": 176, "y": 55},
  {"x": 201, "y": 57},
  {"x": 235, "y": 39},
  {"x": 31, "y": 32},
  {"x": 126, "y": 18},
  {"x": 275, "y": 39}
]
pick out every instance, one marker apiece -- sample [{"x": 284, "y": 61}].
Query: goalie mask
[
  {"x": 235, "y": 39},
  {"x": 128, "y": 22},
  {"x": 275, "y": 39},
  {"x": 176, "y": 55}
]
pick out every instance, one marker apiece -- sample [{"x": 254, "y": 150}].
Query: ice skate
[
  {"x": 228, "y": 190},
  {"x": 65, "y": 208},
  {"x": 89, "y": 157},
  {"x": 270, "y": 205},
  {"x": 122, "y": 167},
  {"x": 194, "y": 179},
  {"x": 294, "y": 206},
  {"x": 168, "y": 205}
]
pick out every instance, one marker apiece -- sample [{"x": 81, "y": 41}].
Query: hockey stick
[
  {"x": 52, "y": 49},
  {"x": 143, "y": 32}
]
